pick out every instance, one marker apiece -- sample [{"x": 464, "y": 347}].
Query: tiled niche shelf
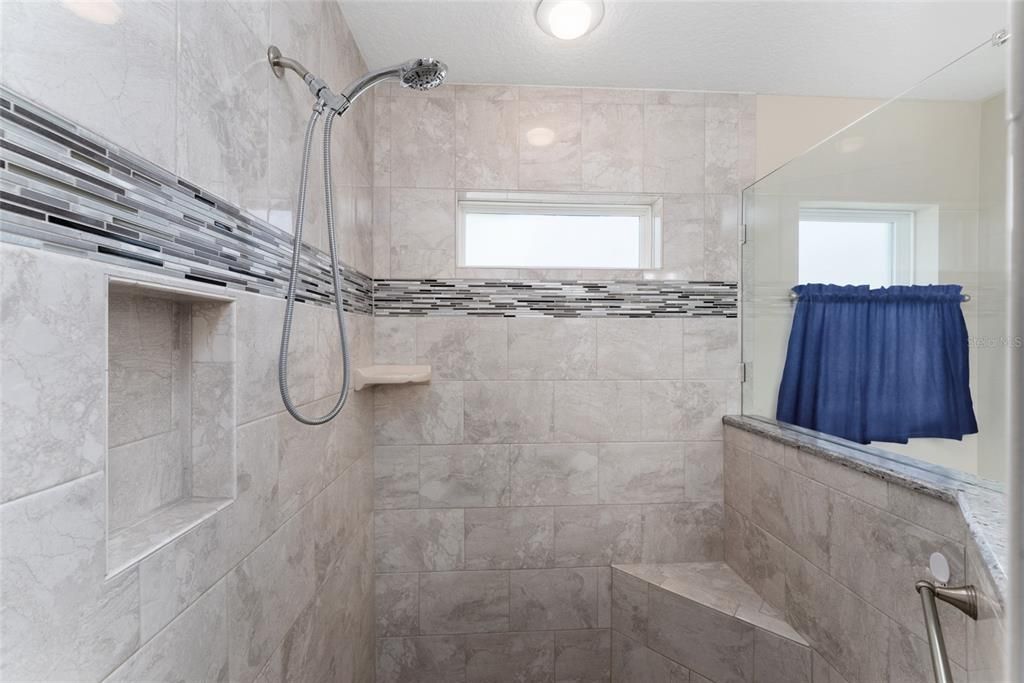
[{"x": 170, "y": 414}]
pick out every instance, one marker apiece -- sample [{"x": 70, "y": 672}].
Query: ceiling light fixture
[
  {"x": 569, "y": 19},
  {"x": 540, "y": 137},
  {"x": 97, "y": 11}
]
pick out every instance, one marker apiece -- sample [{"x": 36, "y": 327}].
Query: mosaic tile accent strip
[
  {"x": 66, "y": 189},
  {"x": 575, "y": 299}
]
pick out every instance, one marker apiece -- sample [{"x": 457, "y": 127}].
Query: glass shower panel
[{"x": 924, "y": 177}]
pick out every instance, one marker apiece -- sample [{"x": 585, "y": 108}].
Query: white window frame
[
  {"x": 647, "y": 209},
  {"x": 902, "y": 246}
]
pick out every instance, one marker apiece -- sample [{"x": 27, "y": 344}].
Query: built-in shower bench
[{"x": 697, "y": 622}]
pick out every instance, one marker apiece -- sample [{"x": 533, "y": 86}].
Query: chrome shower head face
[{"x": 423, "y": 74}]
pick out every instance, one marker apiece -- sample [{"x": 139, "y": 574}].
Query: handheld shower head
[
  {"x": 419, "y": 74},
  {"x": 422, "y": 74}
]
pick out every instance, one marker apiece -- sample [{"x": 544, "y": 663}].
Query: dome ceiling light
[{"x": 569, "y": 19}]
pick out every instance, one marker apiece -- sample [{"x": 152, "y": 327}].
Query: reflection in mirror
[{"x": 913, "y": 193}]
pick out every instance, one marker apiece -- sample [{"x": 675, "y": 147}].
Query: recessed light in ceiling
[{"x": 569, "y": 19}]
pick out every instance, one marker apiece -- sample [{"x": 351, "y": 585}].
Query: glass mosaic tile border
[
  {"x": 566, "y": 299},
  {"x": 65, "y": 189}
]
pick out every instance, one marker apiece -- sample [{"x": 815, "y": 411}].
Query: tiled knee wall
[
  {"x": 542, "y": 451},
  {"x": 838, "y": 551}
]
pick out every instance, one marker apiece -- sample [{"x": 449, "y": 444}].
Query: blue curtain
[{"x": 884, "y": 364}]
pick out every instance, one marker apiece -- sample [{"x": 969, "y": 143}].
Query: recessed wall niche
[{"x": 170, "y": 415}]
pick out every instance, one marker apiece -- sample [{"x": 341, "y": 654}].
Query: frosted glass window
[
  {"x": 856, "y": 247},
  {"x": 494, "y": 235},
  {"x": 846, "y": 253}
]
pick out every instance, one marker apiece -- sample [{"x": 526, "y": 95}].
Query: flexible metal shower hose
[{"x": 293, "y": 278}]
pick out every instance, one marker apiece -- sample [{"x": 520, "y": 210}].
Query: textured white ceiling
[{"x": 870, "y": 48}]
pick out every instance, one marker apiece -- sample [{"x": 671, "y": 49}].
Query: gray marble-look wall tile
[
  {"x": 143, "y": 476},
  {"x": 223, "y": 148},
  {"x": 582, "y": 656},
  {"x": 545, "y": 599},
  {"x": 846, "y": 630},
  {"x": 766, "y": 496},
  {"x": 463, "y": 348},
  {"x": 711, "y": 348},
  {"x": 381, "y": 231},
  {"x": 721, "y": 237},
  {"x": 430, "y": 659},
  {"x": 674, "y": 145},
  {"x": 736, "y": 477},
  {"x": 422, "y": 233},
  {"x": 629, "y": 605},
  {"x": 266, "y": 592},
  {"x": 910, "y": 659},
  {"x": 422, "y": 142},
  {"x": 510, "y": 538},
  {"x": 722, "y": 142},
  {"x": 303, "y": 453},
  {"x": 540, "y": 348},
  {"x": 598, "y": 535},
  {"x": 613, "y": 147},
  {"x": 550, "y": 145},
  {"x": 397, "y": 600},
  {"x": 642, "y": 473},
  {"x": 418, "y": 540},
  {"x": 758, "y": 557},
  {"x": 633, "y": 661},
  {"x": 486, "y": 138},
  {"x": 779, "y": 660},
  {"x": 604, "y": 597},
  {"x": 807, "y": 512},
  {"x": 213, "y": 430},
  {"x": 201, "y": 631},
  {"x": 430, "y": 413},
  {"x": 396, "y": 475},
  {"x": 900, "y": 554},
  {"x": 394, "y": 340},
  {"x": 862, "y": 486},
  {"x": 257, "y": 356},
  {"x": 464, "y": 476},
  {"x": 464, "y": 602},
  {"x": 508, "y": 412},
  {"x": 703, "y": 471},
  {"x": 135, "y": 54},
  {"x": 683, "y": 532},
  {"x": 704, "y": 640},
  {"x": 54, "y": 570},
  {"x": 527, "y": 657},
  {"x": 147, "y": 366},
  {"x": 581, "y": 411},
  {"x": 554, "y": 474},
  {"x": 682, "y": 238},
  {"x": 931, "y": 513},
  {"x": 690, "y": 410},
  {"x": 639, "y": 349}
]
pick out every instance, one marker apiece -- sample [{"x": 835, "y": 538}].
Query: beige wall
[{"x": 788, "y": 126}]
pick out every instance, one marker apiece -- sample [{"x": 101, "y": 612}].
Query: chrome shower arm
[
  {"x": 279, "y": 63},
  {"x": 316, "y": 85},
  {"x": 364, "y": 83}
]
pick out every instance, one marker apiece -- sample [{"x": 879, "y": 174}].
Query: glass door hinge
[{"x": 743, "y": 372}]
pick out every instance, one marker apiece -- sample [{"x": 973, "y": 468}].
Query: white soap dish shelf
[{"x": 390, "y": 374}]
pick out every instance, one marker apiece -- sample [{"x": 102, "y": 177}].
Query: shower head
[
  {"x": 419, "y": 74},
  {"x": 423, "y": 74}
]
